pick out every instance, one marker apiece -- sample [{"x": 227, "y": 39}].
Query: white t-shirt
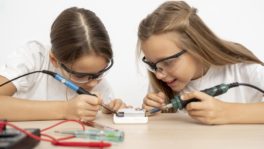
[
  {"x": 34, "y": 56},
  {"x": 242, "y": 73}
]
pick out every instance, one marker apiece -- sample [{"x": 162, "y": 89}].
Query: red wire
[
  {"x": 55, "y": 141},
  {"x": 48, "y": 136},
  {"x": 61, "y": 122},
  {"x": 29, "y": 133},
  {"x": 2, "y": 126},
  {"x": 66, "y": 138},
  {"x": 84, "y": 144},
  {"x": 58, "y": 139},
  {"x": 64, "y": 121}
]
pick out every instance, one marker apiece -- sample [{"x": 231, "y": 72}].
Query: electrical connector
[{"x": 2, "y": 125}]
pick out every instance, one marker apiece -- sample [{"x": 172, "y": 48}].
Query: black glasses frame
[
  {"x": 91, "y": 75},
  {"x": 154, "y": 65}
]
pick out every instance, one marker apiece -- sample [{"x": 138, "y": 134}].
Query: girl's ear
[{"x": 53, "y": 60}]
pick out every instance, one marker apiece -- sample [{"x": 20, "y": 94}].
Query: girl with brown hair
[{"x": 81, "y": 52}]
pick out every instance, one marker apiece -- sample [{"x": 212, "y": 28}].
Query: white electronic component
[{"x": 130, "y": 116}]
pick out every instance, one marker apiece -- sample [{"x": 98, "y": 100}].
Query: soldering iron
[
  {"x": 66, "y": 82},
  {"x": 178, "y": 103}
]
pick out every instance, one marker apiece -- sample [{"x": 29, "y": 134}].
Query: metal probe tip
[
  {"x": 155, "y": 110},
  {"x": 109, "y": 109},
  {"x": 152, "y": 111}
]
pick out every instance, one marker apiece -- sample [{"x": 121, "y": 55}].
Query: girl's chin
[{"x": 177, "y": 87}]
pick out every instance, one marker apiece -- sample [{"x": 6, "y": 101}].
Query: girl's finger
[
  {"x": 195, "y": 106},
  {"x": 117, "y": 105},
  {"x": 85, "y": 113},
  {"x": 197, "y": 113},
  {"x": 198, "y": 95},
  {"x": 153, "y": 103},
  {"x": 147, "y": 108},
  {"x": 155, "y": 98}
]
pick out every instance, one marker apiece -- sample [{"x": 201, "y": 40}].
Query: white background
[{"x": 25, "y": 20}]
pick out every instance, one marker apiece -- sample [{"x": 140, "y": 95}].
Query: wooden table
[{"x": 170, "y": 131}]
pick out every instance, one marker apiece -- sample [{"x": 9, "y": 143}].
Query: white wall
[{"x": 21, "y": 21}]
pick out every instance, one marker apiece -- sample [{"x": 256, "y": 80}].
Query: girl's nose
[
  {"x": 160, "y": 75},
  {"x": 91, "y": 84}
]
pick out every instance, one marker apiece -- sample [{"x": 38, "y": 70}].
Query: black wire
[
  {"x": 249, "y": 85},
  {"x": 235, "y": 84},
  {"x": 19, "y": 77},
  {"x": 231, "y": 85},
  {"x": 52, "y": 74}
]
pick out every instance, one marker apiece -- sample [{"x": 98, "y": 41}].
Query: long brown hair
[
  {"x": 194, "y": 35},
  {"x": 76, "y": 32}
]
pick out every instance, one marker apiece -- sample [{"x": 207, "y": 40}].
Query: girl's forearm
[
  {"x": 245, "y": 113},
  {"x": 14, "y": 109}
]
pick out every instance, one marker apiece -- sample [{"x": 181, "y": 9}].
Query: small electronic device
[
  {"x": 130, "y": 116},
  {"x": 14, "y": 139}
]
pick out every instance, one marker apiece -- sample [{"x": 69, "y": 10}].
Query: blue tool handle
[
  {"x": 71, "y": 85},
  {"x": 66, "y": 82}
]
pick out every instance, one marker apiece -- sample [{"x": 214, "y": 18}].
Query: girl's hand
[
  {"x": 209, "y": 110},
  {"x": 115, "y": 105},
  {"x": 154, "y": 100},
  {"x": 82, "y": 107}
]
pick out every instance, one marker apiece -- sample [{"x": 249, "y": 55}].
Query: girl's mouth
[{"x": 171, "y": 83}]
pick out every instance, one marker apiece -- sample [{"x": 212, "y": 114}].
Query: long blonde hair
[{"x": 194, "y": 35}]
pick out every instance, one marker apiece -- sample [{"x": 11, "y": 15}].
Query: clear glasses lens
[
  {"x": 86, "y": 79},
  {"x": 163, "y": 64},
  {"x": 150, "y": 68}
]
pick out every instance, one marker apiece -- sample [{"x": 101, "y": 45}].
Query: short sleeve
[
  {"x": 105, "y": 90},
  {"x": 24, "y": 60},
  {"x": 255, "y": 74}
]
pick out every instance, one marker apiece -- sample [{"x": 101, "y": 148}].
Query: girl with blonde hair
[{"x": 184, "y": 56}]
